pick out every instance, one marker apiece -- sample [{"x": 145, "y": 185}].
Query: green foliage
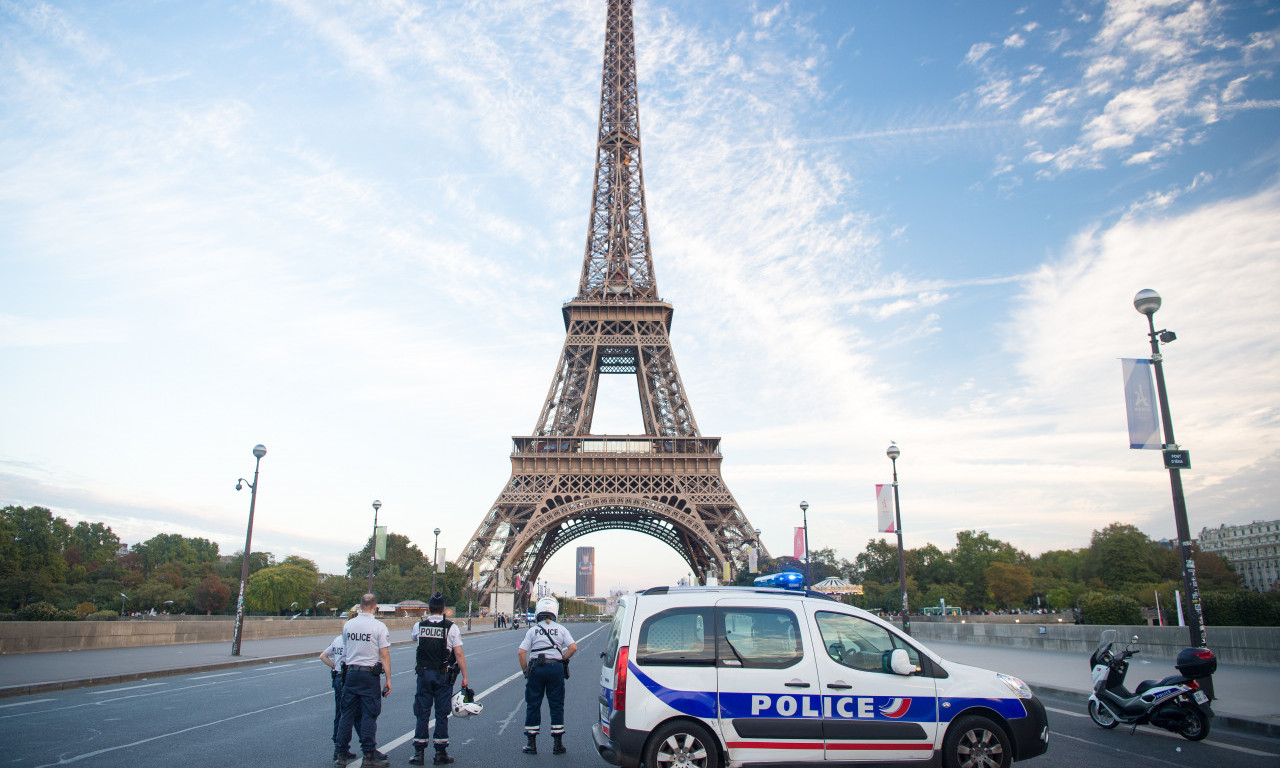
[
  {"x": 44, "y": 611},
  {"x": 1097, "y": 608},
  {"x": 211, "y": 595},
  {"x": 276, "y": 588},
  {"x": 84, "y": 609},
  {"x": 1119, "y": 555},
  {"x": 102, "y": 616},
  {"x": 1009, "y": 584},
  {"x": 1059, "y": 598},
  {"x": 1241, "y": 608},
  {"x": 402, "y": 557}
]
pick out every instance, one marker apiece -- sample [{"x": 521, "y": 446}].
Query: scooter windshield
[{"x": 1107, "y": 640}]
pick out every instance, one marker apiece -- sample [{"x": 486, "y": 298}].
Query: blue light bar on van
[{"x": 784, "y": 580}]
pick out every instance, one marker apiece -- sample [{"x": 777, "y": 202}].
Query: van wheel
[
  {"x": 682, "y": 745},
  {"x": 976, "y": 742}
]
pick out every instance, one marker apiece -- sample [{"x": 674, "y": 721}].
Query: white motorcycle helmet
[
  {"x": 547, "y": 605},
  {"x": 465, "y": 705}
]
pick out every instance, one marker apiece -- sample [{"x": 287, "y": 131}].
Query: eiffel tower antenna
[{"x": 566, "y": 482}]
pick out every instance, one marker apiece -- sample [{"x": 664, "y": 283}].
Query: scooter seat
[{"x": 1147, "y": 685}]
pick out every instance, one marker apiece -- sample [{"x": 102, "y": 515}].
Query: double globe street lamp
[{"x": 259, "y": 451}]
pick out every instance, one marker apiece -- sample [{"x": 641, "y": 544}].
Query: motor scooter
[{"x": 1177, "y": 703}]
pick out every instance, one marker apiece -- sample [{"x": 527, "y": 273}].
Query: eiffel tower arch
[{"x": 567, "y": 482}]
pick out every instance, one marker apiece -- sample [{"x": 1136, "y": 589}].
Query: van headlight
[{"x": 1018, "y": 687}]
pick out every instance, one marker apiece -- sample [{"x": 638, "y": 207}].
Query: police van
[{"x": 712, "y": 677}]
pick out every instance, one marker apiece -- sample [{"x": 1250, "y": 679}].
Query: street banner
[
  {"x": 1140, "y": 403},
  {"x": 884, "y": 508},
  {"x": 517, "y": 583},
  {"x": 380, "y": 542},
  {"x": 726, "y": 571},
  {"x": 799, "y": 544},
  {"x": 475, "y": 572},
  {"x": 753, "y": 559},
  {"x": 440, "y": 560}
]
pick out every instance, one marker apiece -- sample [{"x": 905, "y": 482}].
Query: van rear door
[{"x": 769, "y": 701}]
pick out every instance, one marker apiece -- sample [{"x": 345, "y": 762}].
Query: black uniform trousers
[
  {"x": 337, "y": 705},
  {"x": 362, "y": 695},
  {"x": 546, "y": 679},
  {"x": 433, "y": 689}
]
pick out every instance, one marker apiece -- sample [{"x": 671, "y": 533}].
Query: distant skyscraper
[{"x": 586, "y": 571}]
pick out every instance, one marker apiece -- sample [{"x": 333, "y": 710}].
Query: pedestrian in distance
[
  {"x": 439, "y": 660},
  {"x": 366, "y": 656},
  {"x": 332, "y": 658},
  {"x": 544, "y": 656}
]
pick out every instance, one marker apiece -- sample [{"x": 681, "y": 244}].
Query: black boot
[
  {"x": 375, "y": 759},
  {"x": 558, "y": 748},
  {"x": 532, "y": 747},
  {"x": 417, "y": 758},
  {"x": 339, "y": 758},
  {"x": 442, "y": 756}
]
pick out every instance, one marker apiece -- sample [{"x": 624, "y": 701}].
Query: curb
[{"x": 1259, "y": 727}]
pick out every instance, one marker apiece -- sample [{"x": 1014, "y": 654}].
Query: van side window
[
  {"x": 762, "y": 638},
  {"x": 677, "y": 637},
  {"x": 860, "y": 644},
  {"x": 615, "y": 630}
]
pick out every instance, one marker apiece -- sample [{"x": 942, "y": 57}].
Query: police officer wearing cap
[
  {"x": 544, "y": 656},
  {"x": 439, "y": 649},
  {"x": 366, "y": 656},
  {"x": 332, "y": 658}
]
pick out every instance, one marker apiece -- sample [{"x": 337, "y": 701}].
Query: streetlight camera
[{"x": 1167, "y": 336}]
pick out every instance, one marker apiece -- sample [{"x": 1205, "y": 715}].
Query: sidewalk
[{"x": 1246, "y": 696}]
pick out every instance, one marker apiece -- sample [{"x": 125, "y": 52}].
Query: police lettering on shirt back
[
  {"x": 363, "y": 636},
  {"x": 538, "y": 644},
  {"x": 419, "y": 630},
  {"x": 334, "y": 652}
]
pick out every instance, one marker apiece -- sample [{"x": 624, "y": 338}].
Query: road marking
[
  {"x": 25, "y": 703},
  {"x": 118, "y": 690},
  {"x": 105, "y": 750},
  {"x": 220, "y": 674},
  {"x": 1167, "y": 734},
  {"x": 1104, "y": 746}
]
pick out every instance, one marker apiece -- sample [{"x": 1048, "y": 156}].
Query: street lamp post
[
  {"x": 804, "y": 512},
  {"x": 316, "y": 611},
  {"x": 893, "y": 452},
  {"x": 435, "y": 560},
  {"x": 124, "y": 599},
  {"x": 259, "y": 451},
  {"x": 373, "y": 542},
  {"x": 1147, "y": 302}
]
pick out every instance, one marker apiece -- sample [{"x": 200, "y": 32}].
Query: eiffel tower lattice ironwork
[{"x": 566, "y": 482}]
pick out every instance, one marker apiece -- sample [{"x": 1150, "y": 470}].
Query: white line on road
[
  {"x": 1168, "y": 735},
  {"x": 118, "y": 690},
  {"x": 220, "y": 674},
  {"x": 25, "y": 703}
]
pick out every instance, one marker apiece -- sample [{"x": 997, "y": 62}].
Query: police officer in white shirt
[
  {"x": 544, "y": 656},
  {"x": 439, "y": 650},
  {"x": 366, "y": 657},
  {"x": 332, "y": 658}
]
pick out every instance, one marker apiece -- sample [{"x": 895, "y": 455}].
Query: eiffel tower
[{"x": 565, "y": 481}]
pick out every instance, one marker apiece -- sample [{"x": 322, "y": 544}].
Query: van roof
[{"x": 738, "y": 591}]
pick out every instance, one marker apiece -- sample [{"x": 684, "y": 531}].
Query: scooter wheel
[
  {"x": 1197, "y": 725},
  {"x": 1102, "y": 716}
]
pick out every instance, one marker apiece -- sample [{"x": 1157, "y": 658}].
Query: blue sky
[{"x": 345, "y": 229}]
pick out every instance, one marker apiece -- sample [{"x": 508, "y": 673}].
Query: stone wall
[
  {"x": 1257, "y": 646},
  {"x": 29, "y": 636}
]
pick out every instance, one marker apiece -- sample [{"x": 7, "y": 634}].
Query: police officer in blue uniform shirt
[
  {"x": 366, "y": 656},
  {"x": 332, "y": 658},
  {"x": 439, "y": 649},
  {"x": 544, "y": 656}
]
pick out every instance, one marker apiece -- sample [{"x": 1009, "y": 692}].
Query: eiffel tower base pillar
[{"x": 502, "y": 600}]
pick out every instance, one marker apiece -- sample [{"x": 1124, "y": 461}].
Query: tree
[
  {"x": 877, "y": 564},
  {"x": 174, "y": 548},
  {"x": 275, "y": 588},
  {"x": 96, "y": 544},
  {"x": 32, "y": 547},
  {"x": 402, "y": 556},
  {"x": 1119, "y": 554},
  {"x": 974, "y": 553},
  {"x": 1010, "y": 584},
  {"x": 211, "y": 595}
]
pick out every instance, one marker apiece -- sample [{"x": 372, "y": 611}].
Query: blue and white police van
[{"x": 712, "y": 677}]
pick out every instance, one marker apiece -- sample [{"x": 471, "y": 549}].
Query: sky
[{"x": 345, "y": 230}]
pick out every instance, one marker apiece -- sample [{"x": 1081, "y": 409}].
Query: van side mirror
[{"x": 900, "y": 662}]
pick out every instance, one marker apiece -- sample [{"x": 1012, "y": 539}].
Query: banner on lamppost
[
  {"x": 380, "y": 542},
  {"x": 475, "y": 572},
  {"x": 440, "y": 560},
  {"x": 753, "y": 560},
  {"x": 1140, "y": 404},
  {"x": 884, "y": 508},
  {"x": 799, "y": 543},
  {"x": 726, "y": 572}
]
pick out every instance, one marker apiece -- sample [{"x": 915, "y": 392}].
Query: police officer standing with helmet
[
  {"x": 544, "y": 656},
  {"x": 439, "y": 650},
  {"x": 366, "y": 657}
]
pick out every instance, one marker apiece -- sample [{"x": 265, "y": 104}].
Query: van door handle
[
  {"x": 797, "y": 684},
  {"x": 839, "y": 686}
]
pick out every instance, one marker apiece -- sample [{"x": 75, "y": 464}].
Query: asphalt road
[{"x": 282, "y": 714}]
